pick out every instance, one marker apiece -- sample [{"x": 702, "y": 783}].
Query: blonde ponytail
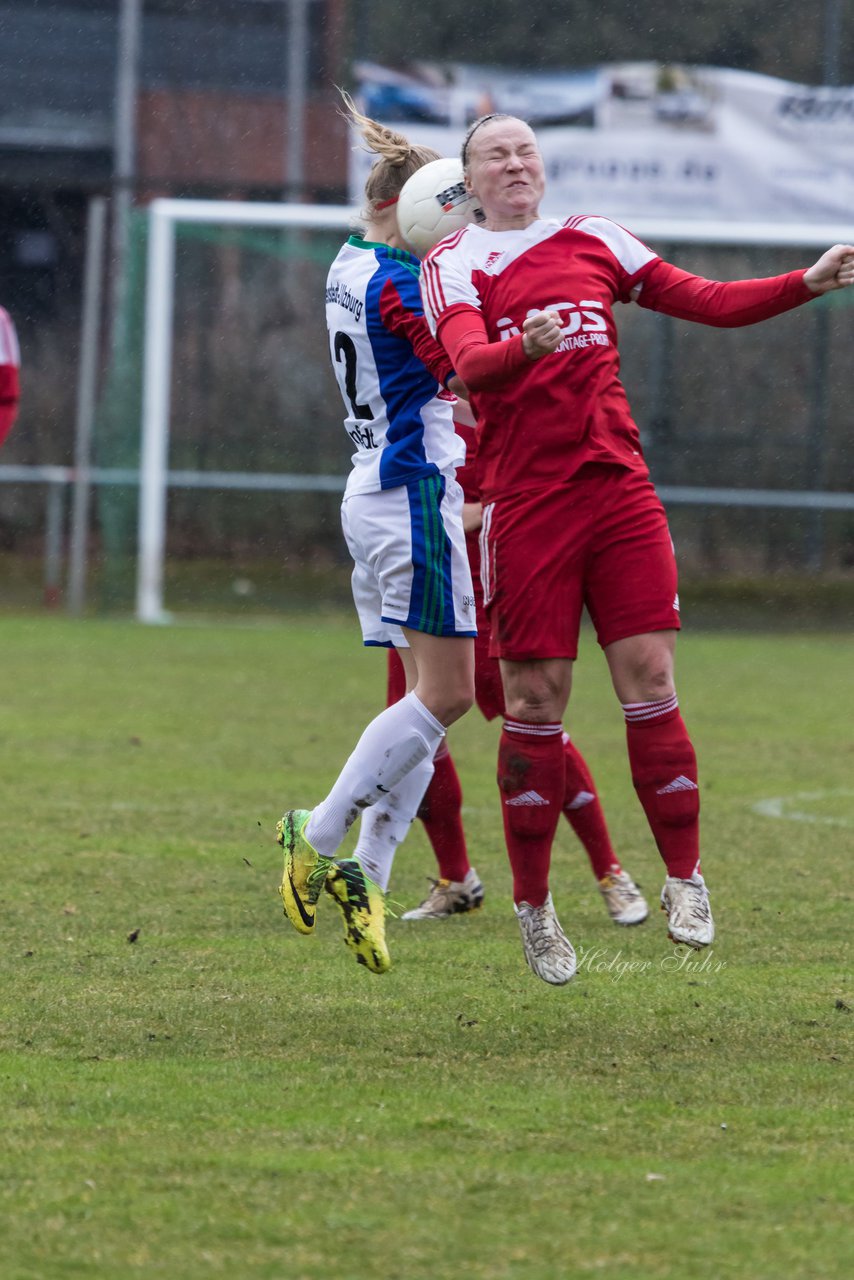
[{"x": 398, "y": 158}]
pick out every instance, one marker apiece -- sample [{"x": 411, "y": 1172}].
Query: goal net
[{"x": 223, "y": 411}]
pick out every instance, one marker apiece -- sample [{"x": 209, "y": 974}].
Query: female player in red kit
[{"x": 524, "y": 307}]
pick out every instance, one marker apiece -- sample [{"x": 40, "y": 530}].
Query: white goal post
[{"x": 166, "y": 214}]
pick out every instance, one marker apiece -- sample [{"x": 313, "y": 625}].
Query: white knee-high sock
[
  {"x": 386, "y": 824},
  {"x": 395, "y": 741}
]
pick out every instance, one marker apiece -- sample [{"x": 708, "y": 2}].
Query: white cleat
[
  {"x": 547, "y": 948},
  {"x": 688, "y": 912},
  {"x": 449, "y": 898},
  {"x": 624, "y": 900}
]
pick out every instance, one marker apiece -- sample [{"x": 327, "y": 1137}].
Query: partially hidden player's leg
[
  {"x": 443, "y": 672},
  {"x": 664, "y": 772},
  {"x": 583, "y": 810},
  {"x": 531, "y": 783},
  {"x": 458, "y": 888},
  {"x": 441, "y": 812},
  {"x": 386, "y": 824}
]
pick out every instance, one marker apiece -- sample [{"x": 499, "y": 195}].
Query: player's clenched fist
[
  {"x": 834, "y": 270},
  {"x": 541, "y": 334}
]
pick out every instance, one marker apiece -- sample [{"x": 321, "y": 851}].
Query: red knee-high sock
[
  {"x": 584, "y": 812},
  {"x": 531, "y": 785},
  {"x": 664, "y": 771},
  {"x": 440, "y": 811}
]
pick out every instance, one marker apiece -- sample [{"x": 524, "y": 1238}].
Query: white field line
[{"x": 787, "y": 807}]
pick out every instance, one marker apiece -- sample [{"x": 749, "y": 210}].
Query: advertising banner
[{"x": 644, "y": 139}]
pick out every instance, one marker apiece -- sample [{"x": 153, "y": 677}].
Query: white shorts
[{"x": 411, "y": 568}]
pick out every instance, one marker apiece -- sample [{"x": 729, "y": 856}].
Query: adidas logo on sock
[
  {"x": 527, "y": 798},
  {"x": 678, "y": 784}
]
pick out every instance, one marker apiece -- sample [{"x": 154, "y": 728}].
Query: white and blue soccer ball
[{"x": 433, "y": 203}]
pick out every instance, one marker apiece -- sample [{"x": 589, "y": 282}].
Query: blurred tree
[{"x": 777, "y": 37}]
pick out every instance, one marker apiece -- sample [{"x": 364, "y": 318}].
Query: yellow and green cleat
[
  {"x": 304, "y": 872},
  {"x": 363, "y": 907}
]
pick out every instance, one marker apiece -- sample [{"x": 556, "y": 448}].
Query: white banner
[{"x": 643, "y": 139}]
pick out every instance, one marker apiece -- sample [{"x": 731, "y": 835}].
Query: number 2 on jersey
[{"x": 344, "y": 345}]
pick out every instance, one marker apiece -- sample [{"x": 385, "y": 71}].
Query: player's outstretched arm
[{"x": 834, "y": 270}]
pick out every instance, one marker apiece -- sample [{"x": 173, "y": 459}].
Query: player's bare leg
[
  {"x": 443, "y": 671},
  {"x": 458, "y": 889}
]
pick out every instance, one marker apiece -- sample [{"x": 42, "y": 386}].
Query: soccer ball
[{"x": 433, "y": 203}]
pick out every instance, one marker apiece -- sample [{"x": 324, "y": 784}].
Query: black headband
[{"x": 493, "y": 115}]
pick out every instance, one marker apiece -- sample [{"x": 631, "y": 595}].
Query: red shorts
[
  {"x": 488, "y": 690},
  {"x": 600, "y": 540}
]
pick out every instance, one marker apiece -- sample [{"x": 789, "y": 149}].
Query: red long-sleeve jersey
[{"x": 539, "y": 421}]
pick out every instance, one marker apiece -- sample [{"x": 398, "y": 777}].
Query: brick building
[{"x": 211, "y": 119}]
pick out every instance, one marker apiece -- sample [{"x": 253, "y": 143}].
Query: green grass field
[{"x": 190, "y": 1089}]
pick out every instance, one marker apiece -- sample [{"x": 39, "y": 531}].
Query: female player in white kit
[{"x": 402, "y": 518}]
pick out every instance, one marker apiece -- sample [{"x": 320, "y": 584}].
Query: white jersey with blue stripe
[{"x": 389, "y": 369}]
